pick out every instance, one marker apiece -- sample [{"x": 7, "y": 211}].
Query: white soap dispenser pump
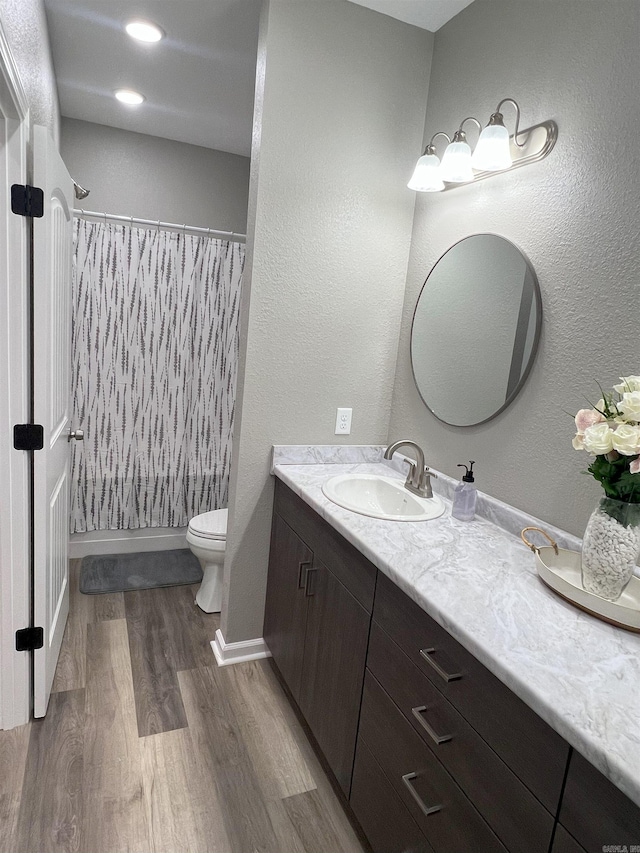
[{"x": 465, "y": 495}]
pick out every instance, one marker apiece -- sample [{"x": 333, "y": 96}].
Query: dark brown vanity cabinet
[
  {"x": 474, "y": 767},
  {"x": 594, "y": 814},
  {"x": 317, "y": 617},
  {"x": 435, "y": 754}
]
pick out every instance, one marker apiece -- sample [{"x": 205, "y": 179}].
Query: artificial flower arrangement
[{"x": 610, "y": 431}]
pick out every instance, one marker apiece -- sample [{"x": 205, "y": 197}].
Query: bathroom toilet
[{"x": 207, "y": 539}]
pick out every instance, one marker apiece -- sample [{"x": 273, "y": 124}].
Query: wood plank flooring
[{"x": 149, "y": 747}]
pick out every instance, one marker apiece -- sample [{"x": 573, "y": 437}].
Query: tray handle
[{"x": 533, "y": 547}]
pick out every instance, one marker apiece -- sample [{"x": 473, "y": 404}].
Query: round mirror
[{"x": 475, "y": 330}]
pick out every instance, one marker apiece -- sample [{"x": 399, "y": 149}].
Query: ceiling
[
  {"x": 427, "y": 14},
  {"x": 198, "y": 81}
]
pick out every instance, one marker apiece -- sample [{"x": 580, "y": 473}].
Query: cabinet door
[
  {"x": 564, "y": 843},
  {"x": 286, "y": 605},
  {"x": 333, "y": 669},
  {"x": 596, "y": 813}
]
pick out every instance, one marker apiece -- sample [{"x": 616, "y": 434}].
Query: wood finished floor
[{"x": 149, "y": 747}]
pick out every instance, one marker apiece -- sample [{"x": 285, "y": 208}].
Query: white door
[
  {"x": 15, "y": 401},
  {"x": 52, "y": 238}
]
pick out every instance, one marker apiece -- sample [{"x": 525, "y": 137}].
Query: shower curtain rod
[{"x": 166, "y": 226}]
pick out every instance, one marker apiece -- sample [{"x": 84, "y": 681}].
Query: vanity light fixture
[
  {"x": 144, "y": 31},
  {"x": 128, "y": 96},
  {"x": 426, "y": 176},
  {"x": 456, "y": 163},
  {"x": 495, "y": 151}
]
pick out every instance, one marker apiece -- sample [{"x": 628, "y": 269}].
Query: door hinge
[
  {"x": 28, "y": 639},
  {"x": 27, "y": 200},
  {"x": 28, "y": 437}
]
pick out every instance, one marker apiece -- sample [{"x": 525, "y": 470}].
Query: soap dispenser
[{"x": 464, "y": 496}]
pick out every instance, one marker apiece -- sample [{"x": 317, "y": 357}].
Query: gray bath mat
[{"x": 143, "y": 570}]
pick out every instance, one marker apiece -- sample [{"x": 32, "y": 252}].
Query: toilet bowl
[{"x": 207, "y": 539}]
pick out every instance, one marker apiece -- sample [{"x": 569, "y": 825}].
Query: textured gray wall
[
  {"x": 133, "y": 174},
  {"x": 339, "y": 122},
  {"x": 576, "y": 215},
  {"x": 25, "y": 25}
]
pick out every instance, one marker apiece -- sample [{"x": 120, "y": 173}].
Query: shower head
[{"x": 80, "y": 191}]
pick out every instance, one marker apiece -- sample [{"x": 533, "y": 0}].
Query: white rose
[
  {"x": 630, "y": 405},
  {"x": 626, "y": 440},
  {"x": 628, "y": 383},
  {"x": 598, "y": 439}
]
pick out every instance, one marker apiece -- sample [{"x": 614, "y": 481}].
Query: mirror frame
[{"x": 536, "y": 337}]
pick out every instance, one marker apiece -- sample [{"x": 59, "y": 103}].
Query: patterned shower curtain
[{"x": 154, "y": 350}]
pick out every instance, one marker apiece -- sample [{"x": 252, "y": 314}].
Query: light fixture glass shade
[
  {"x": 426, "y": 175},
  {"x": 456, "y": 163},
  {"x": 492, "y": 153}
]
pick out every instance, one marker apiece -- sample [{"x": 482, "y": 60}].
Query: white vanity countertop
[{"x": 479, "y": 582}]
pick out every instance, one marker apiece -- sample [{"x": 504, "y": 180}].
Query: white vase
[{"x": 610, "y": 548}]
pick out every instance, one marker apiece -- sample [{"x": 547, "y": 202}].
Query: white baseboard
[
  {"x": 127, "y": 541},
  {"x": 230, "y": 653}
]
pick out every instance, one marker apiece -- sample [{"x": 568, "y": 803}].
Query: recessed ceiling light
[
  {"x": 127, "y": 96},
  {"x": 144, "y": 31}
]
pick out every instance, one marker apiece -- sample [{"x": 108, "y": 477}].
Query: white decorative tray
[{"x": 561, "y": 570}]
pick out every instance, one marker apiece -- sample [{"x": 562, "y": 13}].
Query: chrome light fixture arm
[
  {"x": 464, "y": 121},
  {"x": 431, "y": 149},
  {"x": 500, "y": 119}
]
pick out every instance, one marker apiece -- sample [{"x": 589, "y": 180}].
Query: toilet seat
[{"x": 210, "y": 525}]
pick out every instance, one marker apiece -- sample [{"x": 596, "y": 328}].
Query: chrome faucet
[{"x": 419, "y": 476}]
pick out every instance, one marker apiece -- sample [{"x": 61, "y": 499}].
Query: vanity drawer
[
  {"x": 535, "y": 753},
  {"x": 443, "y": 813},
  {"x": 382, "y": 815},
  {"x": 347, "y": 563},
  {"x": 595, "y": 812},
  {"x": 516, "y": 816}
]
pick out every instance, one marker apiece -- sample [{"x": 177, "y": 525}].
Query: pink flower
[
  {"x": 634, "y": 467},
  {"x": 588, "y": 417}
]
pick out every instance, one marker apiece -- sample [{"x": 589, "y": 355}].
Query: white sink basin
[{"x": 380, "y": 497}]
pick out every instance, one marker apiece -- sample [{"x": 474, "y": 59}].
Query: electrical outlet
[{"x": 343, "y": 421}]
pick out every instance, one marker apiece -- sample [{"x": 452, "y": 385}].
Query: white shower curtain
[{"x": 154, "y": 351}]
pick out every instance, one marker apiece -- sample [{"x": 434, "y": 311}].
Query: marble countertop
[{"x": 479, "y": 581}]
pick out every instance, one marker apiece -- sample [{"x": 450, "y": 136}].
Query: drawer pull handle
[
  {"x": 427, "y": 654},
  {"x": 427, "y": 810},
  {"x": 301, "y": 573},
  {"x": 307, "y": 581},
  {"x": 435, "y": 737}
]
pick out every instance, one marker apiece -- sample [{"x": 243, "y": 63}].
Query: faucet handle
[
  {"x": 412, "y": 473},
  {"x": 425, "y": 483}
]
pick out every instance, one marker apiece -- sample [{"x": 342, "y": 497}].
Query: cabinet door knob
[
  {"x": 304, "y": 565},
  {"x": 449, "y": 674},
  {"x": 418, "y": 713},
  {"x": 77, "y": 434},
  {"x": 425, "y": 809}
]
